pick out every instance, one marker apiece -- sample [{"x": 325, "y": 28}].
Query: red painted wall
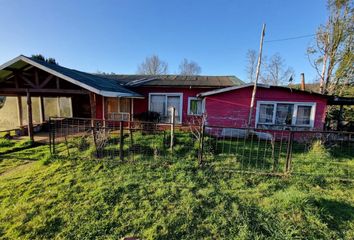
[
  {"x": 99, "y": 107},
  {"x": 231, "y": 108},
  {"x": 142, "y": 105},
  {"x": 228, "y": 109}
]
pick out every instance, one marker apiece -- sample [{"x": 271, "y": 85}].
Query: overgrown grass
[{"x": 156, "y": 198}]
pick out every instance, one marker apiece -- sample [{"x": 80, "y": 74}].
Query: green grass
[{"x": 157, "y": 198}]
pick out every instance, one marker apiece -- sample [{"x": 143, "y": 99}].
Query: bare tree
[
  {"x": 331, "y": 55},
  {"x": 251, "y": 57},
  {"x": 275, "y": 71},
  {"x": 153, "y": 65},
  {"x": 189, "y": 68}
]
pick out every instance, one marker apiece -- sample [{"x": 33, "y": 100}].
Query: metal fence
[{"x": 228, "y": 149}]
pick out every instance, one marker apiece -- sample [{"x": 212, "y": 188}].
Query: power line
[{"x": 291, "y": 38}]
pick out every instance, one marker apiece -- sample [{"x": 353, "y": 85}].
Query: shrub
[
  {"x": 318, "y": 152},
  {"x": 81, "y": 143},
  {"x": 148, "y": 116}
]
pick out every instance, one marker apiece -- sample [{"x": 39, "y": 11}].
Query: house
[
  {"x": 162, "y": 92},
  {"x": 39, "y": 89},
  {"x": 276, "y": 107}
]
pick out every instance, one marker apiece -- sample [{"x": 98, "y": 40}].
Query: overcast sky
[{"x": 115, "y": 36}]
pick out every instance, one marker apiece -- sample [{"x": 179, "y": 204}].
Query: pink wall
[
  {"x": 229, "y": 108},
  {"x": 142, "y": 105},
  {"x": 232, "y": 108},
  {"x": 99, "y": 106}
]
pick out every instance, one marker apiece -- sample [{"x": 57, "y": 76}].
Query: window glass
[
  {"x": 112, "y": 105},
  {"x": 65, "y": 107},
  {"x": 162, "y": 104},
  {"x": 266, "y": 113},
  {"x": 284, "y": 114},
  {"x": 195, "y": 106},
  {"x": 157, "y": 104},
  {"x": 173, "y": 101},
  {"x": 303, "y": 115},
  {"x": 124, "y": 105}
]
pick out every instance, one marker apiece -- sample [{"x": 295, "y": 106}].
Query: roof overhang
[
  {"x": 259, "y": 85},
  {"x": 21, "y": 61}
]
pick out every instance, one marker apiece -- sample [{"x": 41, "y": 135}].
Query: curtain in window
[
  {"x": 157, "y": 104},
  {"x": 266, "y": 113},
  {"x": 284, "y": 114},
  {"x": 112, "y": 105},
  {"x": 174, "y": 101},
  {"x": 303, "y": 115},
  {"x": 195, "y": 107},
  {"x": 124, "y": 105}
]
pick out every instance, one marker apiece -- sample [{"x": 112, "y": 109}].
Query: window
[
  {"x": 118, "y": 108},
  {"x": 195, "y": 106},
  {"x": 303, "y": 116},
  {"x": 162, "y": 103},
  {"x": 266, "y": 113},
  {"x": 285, "y": 114},
  {"x": 124, "y": 105}
]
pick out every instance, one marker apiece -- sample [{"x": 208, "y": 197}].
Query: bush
[
  {"x": 148, "y": 116},
  {"x": 318, "y": 152},
  {"x": 81, "y": 143}
]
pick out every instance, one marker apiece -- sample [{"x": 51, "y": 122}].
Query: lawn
[{"x": 42, "y": 197}]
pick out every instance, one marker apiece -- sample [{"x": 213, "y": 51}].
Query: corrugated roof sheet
[{"x": 176, "y": 80}]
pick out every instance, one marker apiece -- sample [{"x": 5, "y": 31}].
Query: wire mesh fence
[{"x": 229, "y": 149}]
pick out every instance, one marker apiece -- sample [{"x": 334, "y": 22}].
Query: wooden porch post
[
  {"x": 93, "y": 104},
  {"x": 103, "y": 111},
  {"x": 41, "y": 109},
  {"x": 93, "y": 110},
  {"x": 19, "y": 111},
  {"x": 29, "y": 116},
  {"x": 131, "y": 117},
  {"x": 19, "y": 105}
]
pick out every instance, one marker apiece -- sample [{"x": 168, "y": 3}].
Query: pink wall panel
[
  {"x": 142, "y": 105},
  {"x": 232, "y": 108}
]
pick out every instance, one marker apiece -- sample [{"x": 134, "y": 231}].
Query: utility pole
[{"x": 257, "y": 76}]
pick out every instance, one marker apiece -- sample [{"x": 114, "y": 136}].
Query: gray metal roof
[
  {"x": 91, "y": 82},
  {"x": 259, "y": 85},
  {"x": 176, "y": 80},
  {"x": 117, "y": 85}
]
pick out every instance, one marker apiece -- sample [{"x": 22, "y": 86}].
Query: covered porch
[{"x": 35, "y": 90}]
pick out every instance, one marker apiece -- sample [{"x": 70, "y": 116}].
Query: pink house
[
  {"x": 275, "y": 107},
  {"x": 53, "y": 90}
]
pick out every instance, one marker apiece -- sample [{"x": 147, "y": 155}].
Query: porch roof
[{"x": 91, "y": 82}]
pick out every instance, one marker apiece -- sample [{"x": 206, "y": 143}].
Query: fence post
[
  {"x": 173, "y": 110},
  {"x": 50, "y": 135},
  {"x": 53, "y": 135},
  {"x": 121, "y": 142},
  {"x": 201, "y": 144},
  {"x": 288, "y": 152}
]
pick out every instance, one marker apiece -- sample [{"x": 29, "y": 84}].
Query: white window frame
[
  {"x": 180, "y": 95},
  {"x": 189, "y": 105},
  {"x": 296, "y": 104}
]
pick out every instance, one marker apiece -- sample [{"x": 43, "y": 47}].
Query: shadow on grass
[{"x": 335, "y": 213}]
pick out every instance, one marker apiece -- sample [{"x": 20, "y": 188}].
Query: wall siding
[
  {"x": 231, "y": 108},
  {"x": 142, "y": 105}
]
